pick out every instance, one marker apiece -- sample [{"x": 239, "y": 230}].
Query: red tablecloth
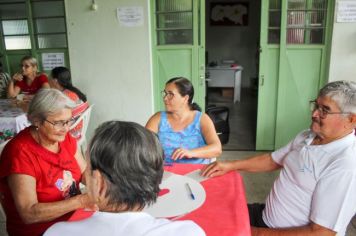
[{"x": 224, "y": 211}]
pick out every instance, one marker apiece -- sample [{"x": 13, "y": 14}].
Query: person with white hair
[
  {"x": 41, "y": 167},
  {"x": 316, "y": 188}
]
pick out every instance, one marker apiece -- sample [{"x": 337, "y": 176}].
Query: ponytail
[{"x": 194, "y": 107}]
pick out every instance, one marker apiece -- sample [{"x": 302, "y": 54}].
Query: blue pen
[{"x": 190, "y": 191}]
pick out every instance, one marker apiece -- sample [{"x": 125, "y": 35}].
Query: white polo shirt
[{"x": 317, "y": 183}]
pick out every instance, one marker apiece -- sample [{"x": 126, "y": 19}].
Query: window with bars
[
  {"x": 174, "y": 22},
  {"x": 306, "y": 21},
  {"x": 44, "y": 23}
]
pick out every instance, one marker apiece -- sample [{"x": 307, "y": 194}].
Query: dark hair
[
  {"x": 185, "y": 87},
  {"x": 62, "y": 75},
  {"x": 130, "y": 158}
]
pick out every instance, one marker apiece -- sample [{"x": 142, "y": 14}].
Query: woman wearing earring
[
  {"x": 186, "y": 134},
  {"x": 40, "y": 168},
  {"x": 28, "y": 81}
]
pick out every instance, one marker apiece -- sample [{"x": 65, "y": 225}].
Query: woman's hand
[
  {"x": 17, "y": 77},
  {"x": 180, "y": 153},
  {"x": 216, "y": 169},
  {"x": 87, "y": 203}
]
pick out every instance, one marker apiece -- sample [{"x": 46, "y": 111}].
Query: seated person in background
[
  {"x": 125, "y": 168},
  {"x": 316, "y": 189},
  {"x": 41, "y": 167},
  {"x": 61, "y": 80},
  {"x": 28, "y": 81},
  {"x": 186, "y": 134},
  {"x": 4, "y": 82}
]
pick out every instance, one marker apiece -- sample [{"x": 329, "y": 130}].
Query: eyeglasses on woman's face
[
  {"x": 169, "y": 95},
  {"x": 59, "y": 125},
  {"x": 323, "y": 110}
]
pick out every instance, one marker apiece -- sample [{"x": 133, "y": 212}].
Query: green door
[
  {"x": 293, "y": 66},
  {"x": 178, "y": 43}
]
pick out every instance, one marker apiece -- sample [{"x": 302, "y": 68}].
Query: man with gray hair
[{"x": 315, "y": 191}]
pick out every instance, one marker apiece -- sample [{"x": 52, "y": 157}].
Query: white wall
[
  {"x": 109, "y": 62},
  {"x": 343, "y": 51},
  {"x": 239, "y": 43}
]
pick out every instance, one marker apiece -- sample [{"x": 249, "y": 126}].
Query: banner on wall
[{"x": 52, "y": 60}]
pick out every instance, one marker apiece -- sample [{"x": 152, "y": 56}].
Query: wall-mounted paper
[
  {"x": 177, "y": 201},
  {"x": 346, "y": 11},
  {"x": 130, "y": 16},
  {"x": 52, "y": 60}
]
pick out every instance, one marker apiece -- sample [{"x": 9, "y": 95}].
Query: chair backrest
[
  {"x": 2, "y": 145},
  {"x": 85, "y": 117},
  {"x": 220, "y": 117}
]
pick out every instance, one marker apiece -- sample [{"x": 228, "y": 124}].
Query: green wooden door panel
[
  {"x": 171, "y": 63},
  {"x": 267, "y": 101},
  {"x": 174, "y": 56},
  {"x": 299, "y": 84}
]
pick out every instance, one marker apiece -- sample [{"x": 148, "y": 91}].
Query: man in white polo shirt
[{"x": 315, "y": 193}]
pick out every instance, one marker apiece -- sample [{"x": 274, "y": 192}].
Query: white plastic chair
[
  {"x": 85, "y": 117},
  {"x": 2, "y": 145}
]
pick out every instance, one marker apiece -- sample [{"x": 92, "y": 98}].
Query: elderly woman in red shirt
[{"x": 41, "y": 167}]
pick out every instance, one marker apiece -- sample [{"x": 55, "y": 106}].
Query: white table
[
  {"x": 12, "y": 120},
  {"x": 226, "y": 77}
]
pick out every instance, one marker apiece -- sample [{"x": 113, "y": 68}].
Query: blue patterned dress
[{"x": 189, "y": 138}]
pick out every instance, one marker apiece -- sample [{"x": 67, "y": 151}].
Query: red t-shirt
[
  {"x": 57, "y": 177},
  {"x": 36, "y": 84}
]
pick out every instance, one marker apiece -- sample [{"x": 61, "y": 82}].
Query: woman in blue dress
[{"x": 187, "y": 135}]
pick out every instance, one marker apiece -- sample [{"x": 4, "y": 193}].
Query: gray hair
[
  {"x": 47, "y": 102},
  {"x": 343, "y": 93},
  {"x": 130, "y": 158}
]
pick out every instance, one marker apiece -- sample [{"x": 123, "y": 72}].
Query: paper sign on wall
[
  {"x": 130, "y": 16},
  {"x": 346, "y": 11},
  {"x": 52, "y": 60}
]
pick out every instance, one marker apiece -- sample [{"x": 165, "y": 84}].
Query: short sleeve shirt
[
  {"x": 57, "y": 176},
  {"x": 36, "y": 84},
  {"x": 317, "y": 183}
]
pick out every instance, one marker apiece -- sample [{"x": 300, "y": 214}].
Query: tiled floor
[{"x": 242, "y": 118}]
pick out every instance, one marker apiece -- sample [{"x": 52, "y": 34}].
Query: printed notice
[
  {"x": 52, "y": 60},
  {"x": 130, "y": 16},
  {"x": 346, "y": 11}
]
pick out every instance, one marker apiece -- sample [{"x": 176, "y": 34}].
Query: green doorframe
[
  {"x": 187, "y": 60},
  {"x": 284, "y": 93}
]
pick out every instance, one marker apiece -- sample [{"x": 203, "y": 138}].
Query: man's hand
[{"x": 216, "y": 169}]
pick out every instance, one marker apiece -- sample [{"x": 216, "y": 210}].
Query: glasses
[
  {"x": 169, "y": 95},
  {"x": 323, "y": 111},
  {"x": 58, "y": 125}
]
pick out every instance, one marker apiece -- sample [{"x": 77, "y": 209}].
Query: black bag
[{"x": 220, "y": 118}]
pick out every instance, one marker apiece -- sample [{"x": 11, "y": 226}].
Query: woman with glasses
[
  {"x": 186, "y": 134},
  {"x": 61, "y": 80},
  {"x": 28, "y": 81},
  {"x": 41, "y": 167}
]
